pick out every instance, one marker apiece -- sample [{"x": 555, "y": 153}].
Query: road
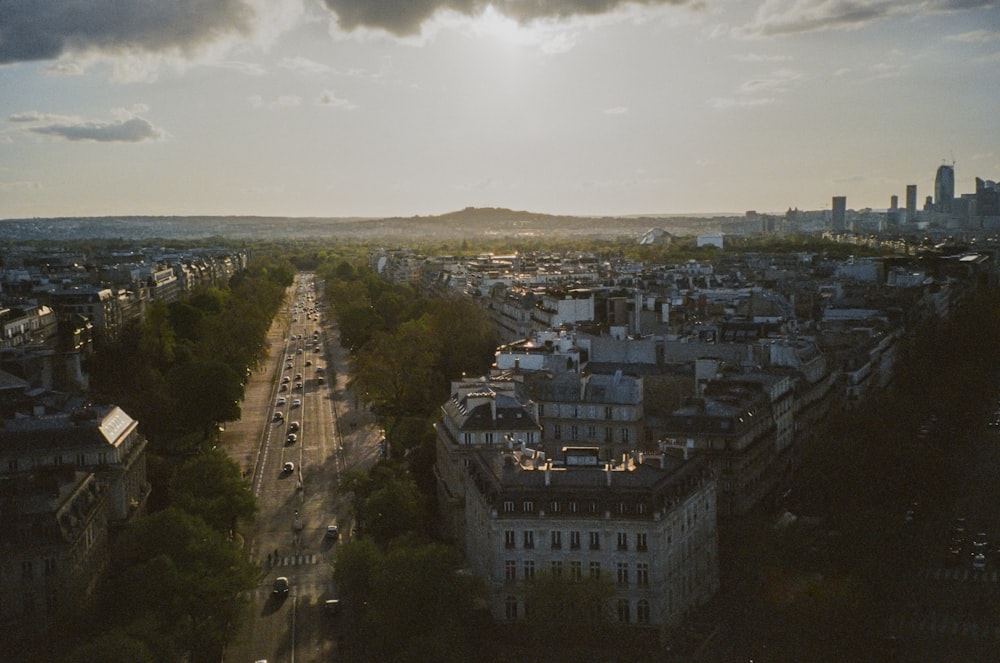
[{"x": 295, "y": 507}]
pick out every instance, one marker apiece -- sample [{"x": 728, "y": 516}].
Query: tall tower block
[{"x": 839, "y": 213}]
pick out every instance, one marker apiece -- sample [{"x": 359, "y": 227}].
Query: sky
[{"x": 375, "y": 108}]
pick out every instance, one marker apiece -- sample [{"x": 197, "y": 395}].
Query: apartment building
[{"x": 645, "y": 525}]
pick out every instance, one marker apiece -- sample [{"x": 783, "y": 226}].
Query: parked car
[
  {"x": 979, "y": 562},
  {"x": 288, "y": 467},
  {"x": 291, "y": 438},
  {"x": 332, "y": 532},
  {"x": 280, "y": 588},
  {"x": 293, "y": 427},
  {"x": 282, "y": 400},
  {"x": 278, "y": 416}
]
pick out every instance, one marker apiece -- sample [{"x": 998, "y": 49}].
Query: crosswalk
[
  {"x": 958, "y": 575},
  {"x": 295, "y": 560}
]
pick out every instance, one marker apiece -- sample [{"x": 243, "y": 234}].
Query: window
[
  {"x": 622, "y": 569},
  {"x": 640, "y": 508},
  {"x": 102, "y": 458},
  {"x": 557, "y": 568},
  {"x": 574, "y": 433},
  {"x": 556, "y": 539},
  {"x": 642, "y": 611},
  {"x": 467, "y": 438},
  {"x": 623, "y": 611},
  {"x": 57, "y": 460},
  {"x": 529, "y": 569},
  {"x": 625, "y": 436},
  {"x": 642, "y": 574},
  {"x": 510, "y": 607},
  {"x": 608, "y": 437},
  {"x": 640, "y": 541},
  {"x": 509, "y": 570},
  {"x": 529, "y": 539},
  {"x": 607, "y": 412},
  {"x": 528, "y": 506},
  {"x": 595, "y": 570},
  {"x": 508, "y": 538},
  {"x": 50, "y": 566},
  {"x": 574, "y": 540},
  {"x": 621, "y": 507},
  {"x": 488, "y": 438},
  {"x": 26, "y": 573},
  {"x": 622, "y": 541},
  {"x": 574, "y": 507},
  {"x": 557, "y": 431},
  {"x": 576, "y": 571},
  {"x": 555, "y": 506},
  {"x": 12, "y": 465},
  {"x": 595, "y": 540},
  {"x": 593, "y": 507},
  {"x": 81, "y": 460},
  {"x": 591, "y": 432},
  {"x": 541, "y": 409},
  {"x": 508, "y": 506}
]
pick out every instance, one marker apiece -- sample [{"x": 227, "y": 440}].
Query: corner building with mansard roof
[{"x": 645, "y": 523}]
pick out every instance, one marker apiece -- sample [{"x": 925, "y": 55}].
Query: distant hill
[{"x": 471, "y": 222}]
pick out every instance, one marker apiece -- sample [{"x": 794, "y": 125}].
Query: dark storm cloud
[
  {"x": 133, "y": 130},
  {"x": 45, "y": 29},
  {"x": 404, "y": 17}
]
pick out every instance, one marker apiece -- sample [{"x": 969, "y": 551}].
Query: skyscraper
[
  {"x": 944, "y": 188},
  {"x": 911, "y": 202},
  {"x": 839, "y": 213}
]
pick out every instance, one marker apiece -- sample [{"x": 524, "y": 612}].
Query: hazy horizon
[{"x": 394, "y": 108}]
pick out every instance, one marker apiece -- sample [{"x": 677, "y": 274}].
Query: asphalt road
[{"x": 295, "y": 507}]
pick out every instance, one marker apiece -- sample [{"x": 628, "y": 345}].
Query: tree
[
  {"x": 206, "y": 393},
  {"x": 568, "y": 618},
  {"x": 423, "y": 608},
  {"x": 181, "y": 578},
  {"x": 158, "y": 338},
  {"x": 115, "y": 646},
  {"x": 210, "y": 486}
]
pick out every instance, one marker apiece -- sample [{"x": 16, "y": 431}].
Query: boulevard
[{"x": 296, "y": 507}]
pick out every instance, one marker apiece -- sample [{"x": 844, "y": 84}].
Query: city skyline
[{"x": 397, "y": 108}]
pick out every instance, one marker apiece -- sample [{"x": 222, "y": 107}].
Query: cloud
[
  {"x": 284, "y": 101},
  {"x": 46, "y": 29},
  {"x": 304, "y": 65},
  {"x": 759, "y": 57},
  {"x": 759, "y": 91},
  {"x": 20, "y": 186},
  {"x": 131, "y": 130},
  {"x": 617, "y": 110},
  {"x": 330, "y": 99},
  {"x": 976, "y": 36},
  {"x": 38, "y": 116},
  {"x": 405, "y": 17},
  {"x": 786, "y": 17}
]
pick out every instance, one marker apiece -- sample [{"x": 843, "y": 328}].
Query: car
[
  {"x": 309, "y": 362},
  {"x": 317, "y": 349},
  {"x": 298, "y": 385},
  {"x": 980, "y": 543},
  {"x": 278, "y": 416},
  {"x": 298, "y": 376},
  {"x": 283, "y": 387},
  {"x": 979, "y": 562},
  {"x": 320, "y": 380},
  {"x": 288, "y": 365},
  {"x": 332, "y": 532},
  {"x": 280, "y": 588},
  {"x": 297, "y": 402},
  {"x": 286, "y": 380},
  {"x": 282, "y": 400},
  {"x": 299, "y": 351},
  {"x": 293, "y": 427},
  {"x": 291, "y": 438},
  {"x": 332, "y": 606},
  {"x": 288, "y": 467},
  {"x": 289, "y": 358}
]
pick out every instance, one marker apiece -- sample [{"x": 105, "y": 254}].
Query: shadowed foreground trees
[{"x": 412, "y": 604}]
